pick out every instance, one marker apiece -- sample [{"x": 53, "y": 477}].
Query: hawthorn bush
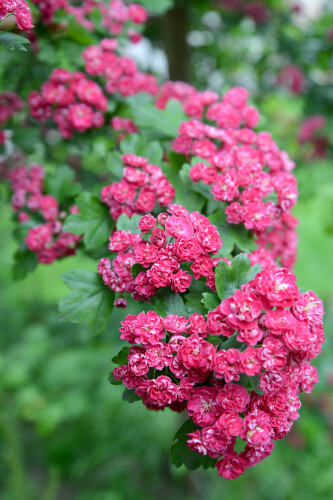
[{"x": 183, "y": 202}]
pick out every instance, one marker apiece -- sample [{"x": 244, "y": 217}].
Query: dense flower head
[
  {"x": 192, "y": 241},
  {"x": 10, "y": 102},
  {"x": 141, "y": 187},
  {"x": 245, "y": 169},
  {"x": 117, "y": 17},
  {"x": 45, "y": 236},
  {"x": 72, "y": 100},
  {"x": 20, "y": 10},
  {"x": 173, "y": 363},
  {"x": 119, "y": 73}
]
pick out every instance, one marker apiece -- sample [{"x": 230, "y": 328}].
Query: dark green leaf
[
  {"x": 93, "y": 221},
  {"x": 114, "y": 381},
  {"x": 130, "y": 396},
  {"x": 254, "y": 381},
  {"x": 193, "y": 303},
  {"x": 61, "y": 185},
  {"x": 183, "y": 186},
  {"x": 232, "y": 234},
  {"x": 230, "y": 343},
  {"x": 136, "y": 269},
  {"x": 121, "y": 357},
  {"x": 210, "y": 301},
  {"x": 25, "y": 262},
  {"x": 214, "y": 339},
  {"x": 91, "y": 301},
  {"x": 182, "y": 454}
]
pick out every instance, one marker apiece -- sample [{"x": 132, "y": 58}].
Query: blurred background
[{"x": 65, "y": 432}]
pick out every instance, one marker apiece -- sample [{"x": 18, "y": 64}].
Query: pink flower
[
  {"x": 202, "y": 406},
  {"x": 233, "y": 397},
  {"x": 178, "y": 227},
  {"x": 161, "y": 391},
  {"x": 231, "y": 467},
  {"x": 226, "y": 364}
]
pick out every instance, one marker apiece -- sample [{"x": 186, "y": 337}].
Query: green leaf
[
  {"x": 130, "y": 396},
  {"x": 77, "y": 32},
  {"x": 133, "y": 144},
  {"x": 158, "y": 123},
  {"x": 137, "y": 144},
  {"x": 183, "y": 186},
  {"x": 193, "y": 303},
  {"x": 124, "y": 223},
  {"x": 154, "y": 153},
  {"x": 114, "y": 381},
  {"x": 93, "y": 221},
  {"x": 254, "y": 381},
  {"x": 136, "y": 269},
  {"x": 210, "y": 301},
  {"x": 25, "y": 262},
  {"x": 157, "y": 7},
  {"x": 170, "y": 304},
  {"x": 214, "y": 339},
  {"x": 115, "y": 164},
  {"x": 61, "y": 185},
  {"x": 228, "y": 279},
  {"x": 181, "y": 454},
  {"x": 232, "y": 235},
  {"x": 91, "y": 301},
  {"x": 121, "y": 357},
  {"x": 231, "y": 343},
  {"x": 11, "y": 41},
  {"x": 255, "y": 269}
]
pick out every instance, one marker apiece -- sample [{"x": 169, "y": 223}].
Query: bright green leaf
[
  {"x": 210, "y": 301},
  {"x": 228, "y": 279}
]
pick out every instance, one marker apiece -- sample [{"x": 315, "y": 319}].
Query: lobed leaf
[
  {"x": 210, "y": 301},
  {"x": 228, "y": 279},
  {"x": 93, "y": 221},
  {"x": 90, "y": 300}
]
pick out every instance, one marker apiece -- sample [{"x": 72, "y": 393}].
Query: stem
[{"x": 174, "y": 30}]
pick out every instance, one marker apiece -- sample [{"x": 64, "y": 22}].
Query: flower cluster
[
  {"x": 115, "y": 15},
  {"x": 123, "y": 126},
  {"x": 48, "y": 8},
  {"x": 279, "y": 331},
  {"x": 312, "y": 131},
  {"x": 72, "y": 100},
  {"x": 41, "y": 212},
  {"x": 257, "y": 10},
  {"x": 141, "y": 187},
  {"x": 292, "y": 78},
  {"x": 193, "y": 102},
  {"x": 120, "y": 73},
  {"x": 10, "y": 102},
  {"x": 179, "y": 242},
  {"x": 245, "y": 169},
  {"x": 20, "y": 10}
]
